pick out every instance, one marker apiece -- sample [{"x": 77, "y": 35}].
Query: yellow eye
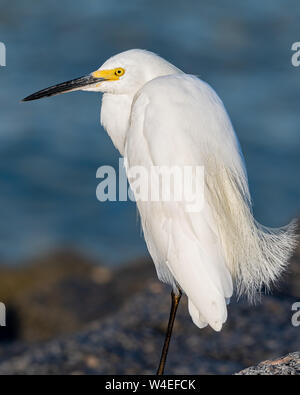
[{"x": 119, "y": 72}]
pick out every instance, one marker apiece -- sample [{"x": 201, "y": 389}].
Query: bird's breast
[{"x": 115, "y": 116}]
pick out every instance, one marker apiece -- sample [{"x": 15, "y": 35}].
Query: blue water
[{"x": 50, "y": 149}]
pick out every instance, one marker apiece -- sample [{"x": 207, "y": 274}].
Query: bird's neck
[{"x": 115, "y": 116}]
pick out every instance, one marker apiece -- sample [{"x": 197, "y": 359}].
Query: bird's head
[{"x": 124, "y": 73}]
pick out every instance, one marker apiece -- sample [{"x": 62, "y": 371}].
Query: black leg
[{"x": 175, "y": 303}]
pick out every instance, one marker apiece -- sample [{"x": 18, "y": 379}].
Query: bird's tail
[{"x": 254, "y": 254}]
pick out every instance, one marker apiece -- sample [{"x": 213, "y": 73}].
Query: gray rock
[
  {"x": 130, "y": 340},
  {"x": 287, "y": 365}
]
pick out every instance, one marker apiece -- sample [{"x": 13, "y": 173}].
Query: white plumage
[
  {"x": 156, "y": 115},
  {"x": 177, "y": 119}
]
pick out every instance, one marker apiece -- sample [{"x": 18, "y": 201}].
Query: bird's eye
[{"x": 119, "y": 72}]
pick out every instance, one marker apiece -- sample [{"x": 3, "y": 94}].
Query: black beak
[{"x": 64, "y": 87}]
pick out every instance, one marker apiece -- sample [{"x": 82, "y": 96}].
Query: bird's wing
[{"x": 180, "y": 121}]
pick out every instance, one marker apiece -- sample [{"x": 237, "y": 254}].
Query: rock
[
  {"x": 288, "y": 365},
  {"x": 290, "y": 281},
  {"x": 63, "y": 292},
  {"x": 95, "y": 320},
  {"x": 130, "y": 340}
]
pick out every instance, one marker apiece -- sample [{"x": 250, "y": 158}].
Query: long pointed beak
[{"x": 64, "y": 87}]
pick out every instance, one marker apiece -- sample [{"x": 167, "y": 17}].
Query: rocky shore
[
  {"x": 74, "y": 317},
  {"x": 289, "y": 365}
]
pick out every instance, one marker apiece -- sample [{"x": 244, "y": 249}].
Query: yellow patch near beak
[{"x": 109, "y": 75}]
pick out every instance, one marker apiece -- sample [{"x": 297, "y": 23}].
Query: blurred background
[{"x": 63, "y": 253}]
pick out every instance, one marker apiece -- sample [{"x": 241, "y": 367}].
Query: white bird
[{"x": 156, "y": 115}]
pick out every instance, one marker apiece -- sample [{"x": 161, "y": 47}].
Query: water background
[{"x": 50, "y": 149}]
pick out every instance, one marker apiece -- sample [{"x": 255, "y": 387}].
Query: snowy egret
[{"x": 157, "y": 115}]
